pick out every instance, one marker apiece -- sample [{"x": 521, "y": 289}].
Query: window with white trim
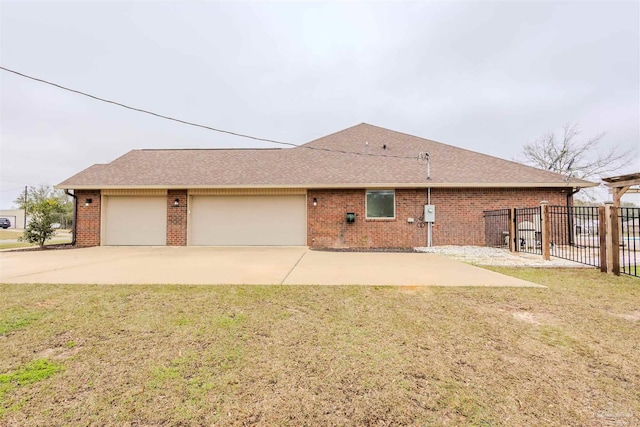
[{"x": 381, "y": 204}]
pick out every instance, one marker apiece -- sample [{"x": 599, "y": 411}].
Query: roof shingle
[{"x": 368, "y": 162}]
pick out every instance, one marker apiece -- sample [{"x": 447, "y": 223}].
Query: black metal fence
[
  {"x": 629, "y": 224},
  {"x": 528, "y": 226},
  {"x": 574, "y": 233},
  {"x": 496, "y": 228}
]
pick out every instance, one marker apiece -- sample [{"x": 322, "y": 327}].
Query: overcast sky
[{"x": 486, "y": 76}]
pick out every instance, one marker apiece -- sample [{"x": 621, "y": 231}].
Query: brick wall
[
  {"x": 326, "y": 225},
  {"x": 459, "y": 219},
  {"x": 88, "y": 218},
  {"x": 177, "y": 218}
]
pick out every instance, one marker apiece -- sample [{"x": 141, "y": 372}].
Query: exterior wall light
[
  {"x": 315, "y": 201},
  {"x": 87, "y": 202},
  {"x": 176, "y": 203},
  {"x": 351, "y": 217}
]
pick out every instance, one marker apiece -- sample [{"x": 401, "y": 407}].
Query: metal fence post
[
  {"x": 546, "y": 234},
  {"x": 602, "y": 234},
  {"x": 513, "y": 247}
]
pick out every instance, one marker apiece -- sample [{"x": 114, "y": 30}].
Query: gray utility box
[{"x": 429, "y": 213}]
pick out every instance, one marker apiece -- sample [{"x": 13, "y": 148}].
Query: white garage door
[
  {"x": 248, "y": 220},
  {"x": 135, "y": 221}
]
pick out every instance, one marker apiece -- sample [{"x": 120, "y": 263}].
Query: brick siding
[
  {"x": 88, "y": 218},
  {"x": 177, "y": 218},
  {"x": 459, "y": 219}
]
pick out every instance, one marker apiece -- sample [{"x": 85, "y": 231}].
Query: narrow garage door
[
  {"x": 248, "y": 220},
  {"x": 135, "y": 220}
]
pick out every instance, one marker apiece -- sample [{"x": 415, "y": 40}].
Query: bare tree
[{"x": 576, "y": 159}]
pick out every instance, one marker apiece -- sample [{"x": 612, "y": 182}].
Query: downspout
[
  {"x": 75, "y": 216},
  {"x": 570, "y": 214}
]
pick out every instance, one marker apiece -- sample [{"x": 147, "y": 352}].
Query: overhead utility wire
[{"x": 162, "y": 116}]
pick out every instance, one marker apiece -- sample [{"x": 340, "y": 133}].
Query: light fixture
[
  {"x": 315, "y": 201},
  {"x": 176, "y": 202},
  {"x": 87, "y": 202}
]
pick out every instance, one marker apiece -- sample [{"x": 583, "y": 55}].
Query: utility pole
[{"x": 25, "y": 206}]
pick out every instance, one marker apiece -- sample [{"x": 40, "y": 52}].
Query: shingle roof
[{"x": 318, "y": 163}]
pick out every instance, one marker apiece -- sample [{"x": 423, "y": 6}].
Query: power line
[
  {"x": 11, "y": 189},
  {"x": 162, "y": 116}
]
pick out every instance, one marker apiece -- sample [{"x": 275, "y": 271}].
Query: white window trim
[{"x": 379, "y": 218}]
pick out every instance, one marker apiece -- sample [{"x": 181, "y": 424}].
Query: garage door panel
[
  {"x": 135, "y": 221},
  {"x": 248, "y": 221}
]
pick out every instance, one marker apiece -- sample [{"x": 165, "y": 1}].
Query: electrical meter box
[{"x": 429, "y": 213}]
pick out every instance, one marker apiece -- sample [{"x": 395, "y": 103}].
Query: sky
[{"x": 485, "y": 76}]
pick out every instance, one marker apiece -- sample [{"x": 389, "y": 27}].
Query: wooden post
[
  {"x": 512, "y": 230},
  {"x": 615, "y": 241},
  {"x": 602, "y": 233},
  {"x": 546, "y": 232}
]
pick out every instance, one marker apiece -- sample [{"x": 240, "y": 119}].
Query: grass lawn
[
  {"x": 12, "y": 235},
  {"x": 9, "y": 234},
  {"x": 568, "y": 355}
]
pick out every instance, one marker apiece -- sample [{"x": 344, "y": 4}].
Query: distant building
[{"x": 16, "y": 216}]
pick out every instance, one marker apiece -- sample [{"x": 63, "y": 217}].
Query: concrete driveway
[{"x": 242, "y": 265}]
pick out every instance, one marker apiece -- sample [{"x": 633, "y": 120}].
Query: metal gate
[
  {"x": 496, "y": 228},
  {"x": 574, "y": 234},
  {"x": 629, "y": 241},
  {"x": 528, "y": 227}
]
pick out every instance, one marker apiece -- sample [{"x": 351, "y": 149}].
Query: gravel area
[{"x": 495, "y": 256}]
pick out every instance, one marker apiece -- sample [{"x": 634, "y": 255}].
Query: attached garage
[
  {"x": 248, "y": 220},
  {"x": 134, "y": 220}
]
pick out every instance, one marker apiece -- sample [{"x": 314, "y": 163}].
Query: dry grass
[
  {"x": 13, "y": 235},
  {"x": 285, "y": 355},
  {"x": 9, "y": 234}
]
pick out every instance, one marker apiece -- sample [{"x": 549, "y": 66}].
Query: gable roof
[{"x": 361, "y": 156}]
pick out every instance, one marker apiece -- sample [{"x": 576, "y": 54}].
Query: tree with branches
[
  {"x": 43, "y": 215},
  {"x": 37, "y": 194},
  {"x": 573, "y": 158}
]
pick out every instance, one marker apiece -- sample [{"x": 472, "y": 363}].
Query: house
[
  {"x": 16, "y": 216},
  {"x": 361, "y": 187}
]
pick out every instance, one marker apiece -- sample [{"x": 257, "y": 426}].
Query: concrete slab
[
  {"x": 246, "y": 265},
  {"x": 400, "y": 269}
]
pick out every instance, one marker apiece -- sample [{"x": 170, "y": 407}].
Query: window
[{"x": 381, "y": 204}]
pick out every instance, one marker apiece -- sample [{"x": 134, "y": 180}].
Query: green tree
[
  {"x": 37, "y": 194},
  {"x": 44, "y": 214}
]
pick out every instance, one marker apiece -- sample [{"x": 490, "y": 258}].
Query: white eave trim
[{"x": 353, "y": 185}]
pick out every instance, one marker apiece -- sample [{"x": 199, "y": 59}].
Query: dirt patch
[
  {"x": 46, "y": 303},
  {"x": 533, "y": 318},
  {"x": 633, "y": 316}
]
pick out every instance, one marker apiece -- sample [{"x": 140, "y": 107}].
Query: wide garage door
[
  {"x": 269, "y": 220},
  {"x": 135, "y": 220}
]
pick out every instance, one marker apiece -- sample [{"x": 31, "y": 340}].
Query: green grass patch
[
  {"x": 13, "y": 319},
  {"x": 33, "y": 372}
]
